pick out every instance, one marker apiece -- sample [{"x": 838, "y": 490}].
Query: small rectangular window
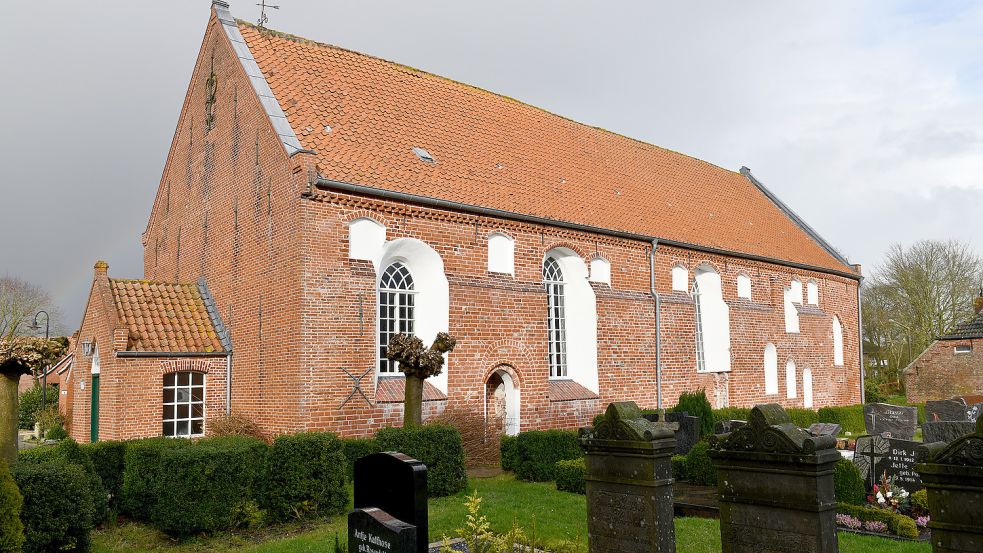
[{"x": 964, "y": 349}]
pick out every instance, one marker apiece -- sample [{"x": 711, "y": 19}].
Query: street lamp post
[{"x": 44, "y": 375}]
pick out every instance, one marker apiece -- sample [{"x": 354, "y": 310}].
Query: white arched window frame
[
  {"x": 807, "y": 388},
  {"x": 501, "y": 254},
  {"x": 796, "y": 291},
  {"x": 600, "y": 270},
  {"x": 837, "y": 342},
  {"x": 812, "y": 292},
  {"x": 680, "y": 279},
  {"x": 397, "y": 306},
  {"x": 712, "y": 322},
  {"x": 743, "y": 286},
  {"x": 771, "y": 370},
  {"x": 365, "y": 238},
  {"x": 790, "y": 376},
  {"x": 579, "y": 315},
  {"x": 556, "y": 318}
]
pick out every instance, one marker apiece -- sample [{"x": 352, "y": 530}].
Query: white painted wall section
[
  {"x": 680, "y": 279},
  {"x": 501, "y": 254},
  {"x": 743, "y": 286},
  {"x": 790, "y": 391},
  {"x": 837, "y": 342},
  {"x": 812, "y": 293},
  {"x": 600, "y": 270},
  {"x": 581, "y": 322},
  {"x": 365, "y": 238},
  {"x": 715, "y": 315},
  {"x": 771, "y": 370},
  {"x": 791, "y": 313},
  {"x": 807, "y": 388}
]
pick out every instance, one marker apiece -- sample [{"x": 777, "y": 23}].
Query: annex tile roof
[
  {"x": 969, "y": 330},
  {"x": 366, "y": 118},
  {"x": 165, "y": 317},
  {"x": 568, "y": 390},
  {"x": 392, "y": 389}
]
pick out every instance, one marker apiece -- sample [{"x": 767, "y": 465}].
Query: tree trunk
[
  {"x": 8, "y": 417},
  {"x": 413, "y": 402}
]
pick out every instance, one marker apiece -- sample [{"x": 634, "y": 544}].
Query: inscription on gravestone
[
  {"x": 973, "y": 413},
  {"x": 946, "y": 431},
  {"x": 372, "y": 530},
  {"x": 390, "y": 495},
  {"x": 877, "y": 457},
  {"x": 897, "y": 421},
  {"x": 945, "y": 410}
]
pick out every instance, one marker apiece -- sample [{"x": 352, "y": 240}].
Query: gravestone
[
  {"x": 726, "y": 427},
  {"x": 824, "y": 429},
  {"x": 973, "y": 413},
  {"x": 877, "y": 457},
  {"x": 892, "y": 421},
  {"x": 629, "y": 482},
  {"x": 946, "y": 431},
  {"x": 945, "y": 410},
  {"x": 953, "y": 476},
  {"x": 775, "y": 483},
  {"x": 689, "y": 429},
  {"x": 390, "y": 504}
]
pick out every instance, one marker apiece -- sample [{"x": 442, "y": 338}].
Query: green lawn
[{"x": 554, "y": 518}]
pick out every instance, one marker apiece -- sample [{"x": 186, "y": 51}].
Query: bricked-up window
[
  {"x": 837, "y": 342},
  {"x": 556, "y": 318},
  {"x": 396, "y": 310},
  {"x": 701, "y": 361},
  {"x": 771, "y": 369},
  {"x": 184, "y": 404},
  {"x": 964, "y": 349}
]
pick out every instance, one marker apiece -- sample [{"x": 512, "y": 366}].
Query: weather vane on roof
[{"x": 262, "y": 12}]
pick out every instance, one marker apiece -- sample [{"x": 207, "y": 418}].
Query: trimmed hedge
[
  {"x": 699, "y": 466},
  {"x": 898, "y": 525},
  {"x": 538, "y": 451},
  {"x": 509, "y": 452},
  {"x": 141, "y": 462},
  {"x": 30, "y": 404},
  {"x": 355, "y": 449},
  {"x": 850, "y": 417},
  {"x": 697, "y": 405},
  {"x": 679, "y": 467},
  {"x": 107, "y": 459},
  {"x": 58, "y": 513},
  {"x": 438, "y": 446},
  {"x": 731, "y": 414},
  {"x": 70, "y": 452},
  {"x": 803, "y": 418},
  {"x": 848, "y": 484},
  {"x": 305, "y": 476},
  {"x": 11, "y": 501},
  {"x": 570, "y": 476},
  {"x": 210, "y": 486}
]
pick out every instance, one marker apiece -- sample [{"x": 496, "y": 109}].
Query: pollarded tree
[
  {"x": 17, "y": 356},
  {"x": 418, "y": 363}
]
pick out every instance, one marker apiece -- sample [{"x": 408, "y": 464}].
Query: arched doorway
[{"x": 502, "y": 402}]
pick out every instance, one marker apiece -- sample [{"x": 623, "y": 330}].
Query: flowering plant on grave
[
  {"x": 848, "y": 521},
  {"x": 888, "y": 495}
]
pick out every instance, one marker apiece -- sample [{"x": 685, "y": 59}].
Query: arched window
[
  {"x": 184, "y": 404},
  {"x": 807, "y": 388},
  {"x": 365, "y": 237},
  {"x": 812, "y": 293},
  {"x": 396, "y": 303},
  {"x": 501, "y": 254},
  {"x": 771, "y": 369},
  {"x": 712, "y": 321},
  {"x": 556, "y": 320},
  {"x": 701, "y": 361},
  {"x": 600, "y": 270},
  {"x": 743, "y": 286},
  {"x": 796, "y": 289},
  {"x": 790, "y": 379},
  {"x": 837, "y": 342},
  {"x": 680, "y": 279}
]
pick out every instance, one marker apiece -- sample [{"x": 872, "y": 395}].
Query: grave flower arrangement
[{"x": 888, "y": 495}]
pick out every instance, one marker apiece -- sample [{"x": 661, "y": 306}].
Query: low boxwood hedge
[
  {"x": 699, "y": 467},
  {"x": 141, "y": 471},
  {"x": 107, "y": 459},
  {"x": 679, "y": 467},
  {"x": 803, "y": 418},
  {"x": 305, "y": 476},
  {"x": 848, "y": 483},
  {"x": 731, "y": 414},
  {"x": 11, "y": 501},
  {"x": 70, "y": 452},
  {"x": 570, "y": 476},
  {"x": 898, "y": 525},
  {"x": 438, "y": 446},
  {"x": 849, "y": 417},
  {"x": 538, "y": 451},
  {"x": 355, "y": 449},
  {"x": 58, "y": 512},
  {"x": 509, "y": 452}
]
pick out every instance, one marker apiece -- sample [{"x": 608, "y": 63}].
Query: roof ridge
[
  {"x": 305, "y": 40},
  {"x": 151, "y": 281}
]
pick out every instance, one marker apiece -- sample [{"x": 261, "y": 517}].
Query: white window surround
[
  {"x": 714, "y": 315},
  {"x": 95, "y": 360},
  {"x": 501, "y": 254},
  {"x": 365, "y": 237},
  {"x": 963, "y": 349},
  {"x": 680, "y": 279},
  {"x": 580, "y": 309},
  {"x": 796, "y": 289},
  {"x": 184, "y": 404},
  {"x": 837, "y": 342},
  {"x": 600, "y": 270},
  {"x": 812, "y": 293},
  {"x": 807, "y": 388},
  {"x": 743, "y": 286},
  {"x": 791, "y": 313},
  {"x": 771, "y": 370},
  {"x": 790, "y": 391}
]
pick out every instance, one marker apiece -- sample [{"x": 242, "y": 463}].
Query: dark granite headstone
[
  {"x": 726, "y": 427},
  {"x": 946, "y": 431},
  {"x": 373, "y": 530},
  {"x": 877, "y": 457},
  {"x": 973, "y": 413},
  {"x": 689, "y": 429},
  {"x": 397, "y": 485},
  {"x": 897, "y": 421},
  {"x": 945, "y": 410},
  {"x": 824, "y": 429}
]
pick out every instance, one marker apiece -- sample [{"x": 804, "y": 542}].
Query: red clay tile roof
[
  {"x": 391, "y": 389},
  {"x": 164, "y": 317},
  {"x": 497, "y": 152},
  {"x": 568, "y": 390}
]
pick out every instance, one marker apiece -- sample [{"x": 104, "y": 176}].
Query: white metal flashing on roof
[{"x": 270, "y": 104}]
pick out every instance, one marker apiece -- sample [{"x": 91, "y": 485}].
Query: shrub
[
  {"x": 850, "y": 417},
  {"x": 57, "y": 511},
  {"x": 49, "y": 418},
  {"x": 920, "y": 499},
  {"x": 70, "y": 452},
  {"x": 57, "y": 433},
  {"x": 211, "y": 485},
  {"x": 11, "y": 528},
  {"x": 107, "y": 459},
  {"x": 30, "y": 404},
  {"x": 438, "y": 446},
  {"x": 570, "y": 476},
  {"x": 848, "y": 483},
  {"x": 679, "y": 467},
  {"x": 697, "y": 405},
  {"x": 481, "y": 443},
  {"x": 305, "y": 476},
  {"x": 872, "y": 392},
  {"x": 803, "y": 418},
  {"x": 731, "y": 414},
  {"x": 355, "y": 449},
  {"x": 235, "y": 424},
  {"x": 699, "y": 467},
  {"x": 897, "y": 524},
  {"x": 141, "y": 471},
  {"x": 509, "y": 451},
  {"x": 538, "y": 451}
]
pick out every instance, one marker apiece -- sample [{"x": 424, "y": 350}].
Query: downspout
[
  {"x": 658, "y": 326},
  {"x": 228, "y": 384},
  {"x": 860, "y": 340}
]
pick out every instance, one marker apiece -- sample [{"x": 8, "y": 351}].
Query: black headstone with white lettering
[
  {"x": 824, "y": 429},
  {"x": 373, "y": 530},
  {"x": 397, "y": 485},
  {"x": 878, "y": 457},
  {"x": 899, "y": 422},
  {"x": 973, "y": 412},
  {"x": 945, "y": 410}
]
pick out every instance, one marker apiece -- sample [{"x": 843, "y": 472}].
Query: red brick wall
[{"x": 941, "y": 373}]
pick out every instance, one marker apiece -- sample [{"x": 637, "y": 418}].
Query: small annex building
[
  {"x": 317, "y": 201},
  {"x": 952, "y": 365}
]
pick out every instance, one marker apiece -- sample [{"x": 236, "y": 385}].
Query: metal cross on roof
[{"x": 262, "y": 12}]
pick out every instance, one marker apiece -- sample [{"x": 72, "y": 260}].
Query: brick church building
[
  {"x": 952, "y": 365},
  {"x": 315, "y": 201}
]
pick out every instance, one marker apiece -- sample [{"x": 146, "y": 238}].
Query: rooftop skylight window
[{"x": 424, "y": 155}]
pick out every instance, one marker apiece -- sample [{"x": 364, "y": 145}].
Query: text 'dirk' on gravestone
[
  {"x": 629, "y": 482},
  {"x": 390, "y": 514},
  {"x": 879, "y": 458},
  {"x": 776, "y": 486}
]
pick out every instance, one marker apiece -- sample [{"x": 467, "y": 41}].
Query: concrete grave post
[
  {"x": 629, "y": 482},
  {"x": 390, "y": 514},
  {"x": 776, "y": 486},
  {"x": 953, "y": 475}
]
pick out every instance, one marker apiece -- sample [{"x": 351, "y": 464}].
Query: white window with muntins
[
  {"x": 790, "y": 391},
  {"x": 680, "y": 279},
  {"x": 771, "y": 370},
  {"x": 556, "y": 318},
  {"x": 184, "y": 404},
  {"x": 744, "y": 286},
  {"x": 812, "y": 293},
  {"x": 501, "y": 254},
  {"x": 396, "y": 310}
]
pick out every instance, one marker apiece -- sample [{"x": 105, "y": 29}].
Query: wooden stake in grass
[{"x": 417, "y": 363}]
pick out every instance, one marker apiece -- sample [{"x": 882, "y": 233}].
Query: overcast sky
[{"x": 865, "y": 117}]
